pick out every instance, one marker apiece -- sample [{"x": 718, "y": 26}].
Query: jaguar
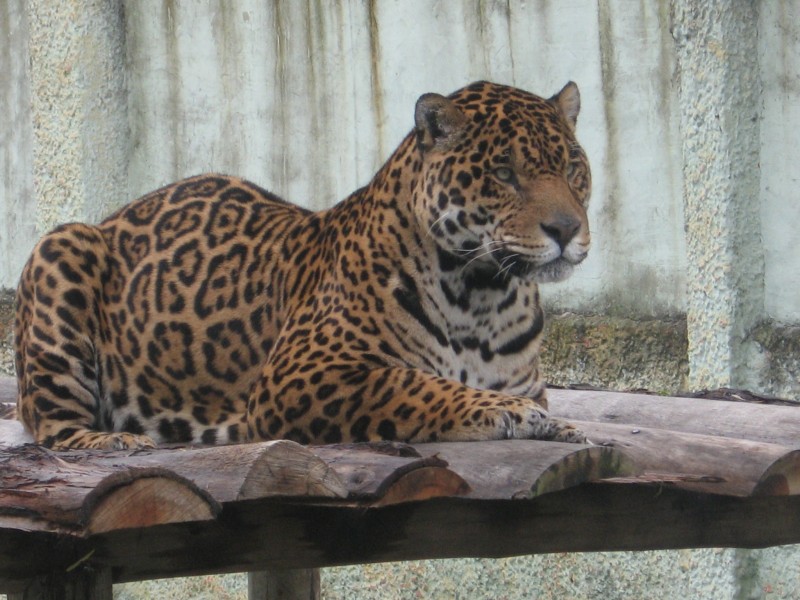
[{"x": 212, "y": 311}]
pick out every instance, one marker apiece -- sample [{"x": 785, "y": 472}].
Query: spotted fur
[{"x": 212, "y": 311}]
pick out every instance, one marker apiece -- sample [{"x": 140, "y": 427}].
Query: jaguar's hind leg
[{"x": 58, "y": 333}]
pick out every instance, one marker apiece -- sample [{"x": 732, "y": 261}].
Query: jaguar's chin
[
  {"x": 556, "y": 270},
  {"x": 514, "y": 265}
]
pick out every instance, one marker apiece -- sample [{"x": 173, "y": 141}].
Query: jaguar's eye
[{"x": 504, "y": 174}]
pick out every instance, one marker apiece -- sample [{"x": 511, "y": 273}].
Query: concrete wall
[
  {"x": 17, "y": 198},
  {"x": 313, "y": 109},
  {"x": 779, "y": 60},
  {"x": 689, "y": 110},
  {"x": 690, "y": 113}
]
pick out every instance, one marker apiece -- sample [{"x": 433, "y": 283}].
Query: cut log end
[
  {"x": 587, "y": 464},
  {"x": 285, "y": 468},
  {"x": 143, "y": 498},
  {"x": 782, "y": 478},
  {"x": 423, "y": 484}
]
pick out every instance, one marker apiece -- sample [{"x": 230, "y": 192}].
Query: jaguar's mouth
[
  {"x": 517, "y": 265},
  {"x": 503, "y": 264}
]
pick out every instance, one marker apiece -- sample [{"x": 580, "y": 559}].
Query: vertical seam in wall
[
  {"x": 175, "y": 81},
  {"x": 748, "y": 248},
  {"x": 126, "y": 103},
  {"x": 313, "y": 16},
  {"x": 375, "y": 74},
  {"x": 281, "y": 81},
  {"x": 609, "y": 85},
  {"x": 509, "y": 30}
]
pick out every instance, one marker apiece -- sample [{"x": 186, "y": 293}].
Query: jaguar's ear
[
  {"x": 438, "y": 121},
  {"x": 568, "y": 101}
]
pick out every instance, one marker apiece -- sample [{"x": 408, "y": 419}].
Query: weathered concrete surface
[
  {"x": 6, "y": 332},
  {"x": 78, "y": 108},
  {"x": 716, "y": 44},
  {"x": 17, "y": 199},
  {"x": 308, "y": 99},
  {"x": 773, "y": 360},
  {"x": 779, "y": 59},
  {"x": 616, "y": 353}
]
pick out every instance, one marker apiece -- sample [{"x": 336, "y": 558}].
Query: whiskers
[
  {"x": 503, "y": 263},
  {"x": 507, "y": 263},
  {"x": 482, "y": 251}
]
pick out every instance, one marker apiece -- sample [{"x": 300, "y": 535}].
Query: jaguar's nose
[{"x": 561, "y": 229}]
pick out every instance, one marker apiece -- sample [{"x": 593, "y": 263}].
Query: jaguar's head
[{"x": 505, "y": 184}]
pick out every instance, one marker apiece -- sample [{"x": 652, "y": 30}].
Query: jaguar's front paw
[
  {"x": 106, "y": 441},
  {"x": 567, "y": 432}
]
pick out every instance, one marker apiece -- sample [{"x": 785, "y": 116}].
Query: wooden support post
[
  {"x": 84, "y": 583},
  {"x": 283, "y": 584}
]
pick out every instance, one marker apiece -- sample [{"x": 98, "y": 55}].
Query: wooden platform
[{"x": 663, "y": 473}]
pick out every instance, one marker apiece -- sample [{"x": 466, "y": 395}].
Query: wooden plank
[
  {"x": 26, "y": 555},
  {"x": 592, "y": 517},
  {"x": 742, "y": 420},
  {"x": 710, "y": 464},
  {"x": 284, "y": 506},
  {"x": 515, "y": 469}
]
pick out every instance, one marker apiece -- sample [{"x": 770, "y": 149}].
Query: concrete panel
[
  {"x": 279, "y": 92},
  {"x": 779, "y": 57},
  {"x": 637, "y": 264},
  {"x": 309, "y": 99},
  {"x": 17, "y": 205}
]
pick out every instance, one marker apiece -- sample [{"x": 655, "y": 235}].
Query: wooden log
[
  {"x": 228, "y": 473},
  {"x": 370, "y": 472},
  {"x": 284, "y": 584},
  {"x": 516, "y": 469},
  {"x": 281, "y": 468},
  {"x": 710, "y": 464},
  {"x": 246, "y": 471},
  {"x": 42, "y": 490},
  {"x": 96, "y": 491},
  {"x": 87, "y": 492},
  {"x": 140, "y": 498},
  {"x": 742, "y": 420}
]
